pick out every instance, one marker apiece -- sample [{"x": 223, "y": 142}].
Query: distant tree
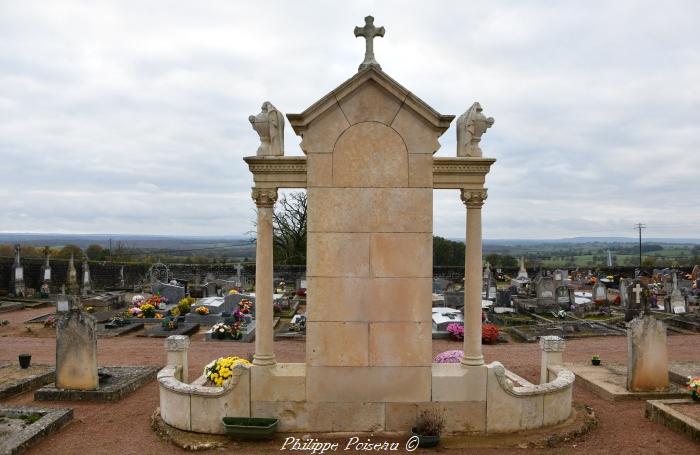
[
  {"x": 501, "y": 260},
  {"x": 68, "y": 249},
  {"x": 7, "y": 250},
  {"x": 447, "y": 252},
  {"x": 648, "y": 261},
  {"x": 289, "y": 229},
  {"x": 95, "y": 252}
]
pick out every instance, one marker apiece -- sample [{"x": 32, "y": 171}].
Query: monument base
[{"x": 118, "y": 382}]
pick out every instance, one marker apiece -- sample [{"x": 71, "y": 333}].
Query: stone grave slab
[
  {"x": 678, "y": 372},
  {"x": 113, "y": 299},
  {"x": 204, "y": 319},
  {"x": 609, "y": 381},
  {"x": 159, "y": 332},
  {"x": 248, "y": 335},
  {"x": 115, "y": 382},
  {"x": 10, "y": 306},
  {"x": 15, "y": 380},
  {"x": 567, "y": 329},
  {"x": 103, "y": 331},
  {"x": 681, "y": 415},
  {"x": 24, "y": 434},
  {"x": 40, "y": 319}
]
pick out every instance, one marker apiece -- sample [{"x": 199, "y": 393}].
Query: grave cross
[
  {"x": 369, "y": 31},
  {"x": 638, "y": 292}
]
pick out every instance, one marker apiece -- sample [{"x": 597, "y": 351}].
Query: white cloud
[{"x": 131, "y": 117}]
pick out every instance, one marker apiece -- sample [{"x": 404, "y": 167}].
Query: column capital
[
  {"x": 473, "y": 199},
  {"x": 264, "y": 197}
]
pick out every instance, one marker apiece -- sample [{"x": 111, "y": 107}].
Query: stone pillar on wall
[
  {"x": 177, "y": 346},
  {"x": 474, "y": 200},
  {"x": 265, "y": 199},
  {"x": 552, "y": 349}
]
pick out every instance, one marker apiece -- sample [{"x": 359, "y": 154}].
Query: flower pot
[
  {"x": 25, "y": 360},
  {"x": 695, "y": 396},
  {"x": 426, "y": 441},
  {"x": 595, "y": 362},
  {"x": 249, "y": 428}
]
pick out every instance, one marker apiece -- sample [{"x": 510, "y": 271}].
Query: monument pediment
[{"x": 371, "y": 95}]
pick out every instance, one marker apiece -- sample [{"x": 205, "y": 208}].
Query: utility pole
[{"x": 640, "y": 226}]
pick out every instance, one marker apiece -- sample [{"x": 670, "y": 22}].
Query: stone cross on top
[{"x": 369, "y": 31}]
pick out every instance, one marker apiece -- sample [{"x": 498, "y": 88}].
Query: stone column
[
  {"x": 177, "y": 346},
  {"x": 473, "y": 199},
  {"x": 552, "y": 349},
  {"x": 265, "y": 199}
]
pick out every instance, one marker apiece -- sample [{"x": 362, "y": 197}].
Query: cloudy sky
[{"x": 131, "y": 117}]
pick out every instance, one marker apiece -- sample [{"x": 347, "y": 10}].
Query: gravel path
[{"x": 123, "y": 427}]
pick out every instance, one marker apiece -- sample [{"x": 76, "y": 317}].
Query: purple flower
[{"x": 453, "y": 356}]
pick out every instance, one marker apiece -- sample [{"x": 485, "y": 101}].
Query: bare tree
[{"x": 289, "y": 229}]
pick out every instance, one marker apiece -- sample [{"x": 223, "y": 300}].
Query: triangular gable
[{"x": 440, "y": 122}]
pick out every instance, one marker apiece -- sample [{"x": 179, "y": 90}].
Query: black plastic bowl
[{"x": 250, "y": 428}]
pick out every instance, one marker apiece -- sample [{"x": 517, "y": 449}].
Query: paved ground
[{"x": 123, "y": 427}]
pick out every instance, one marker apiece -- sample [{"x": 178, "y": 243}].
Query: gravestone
[
  {"x": 544, "y": 288},
  {"x": 600, "y": 292},
  {"x": 72, "y": 278},
  {"x": 503, "y": 298},
  {"x": 561, "y": 277},
  {"x": 563, "y": 295},
  {"x": 488, "y": 285},
  {"x": 76, "y": 346},
  {"x": 171, "y": 292},
  {"x": 17, "y": 287},
  {"x": 623, "y": 292},
  {"x": 677, "y": 303},
  {"x": 647, "y": 355},
  {"x": 440, "y": 285},
  {"x": 231, "y": 302},
  {"x": 45, "y": 274},
  {"x": 239, "y": 278},
  {"x": 86, "y": 284},
  {"x": 122, "y": 282},
  {"x": 638, "y": 300}
]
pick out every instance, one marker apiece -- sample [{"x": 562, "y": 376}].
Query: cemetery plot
[
  {"x": 221, "y": 332},
  {"x": 15, "y": 380},
  {"x": 115, "y": 383},
  {"x": 23, "y": 426},
  {"x": 682, "y": 415},
  {"x": 564, "y": 329},
  {"x": 688, "y": 321},
  {"x": 609, "y": 381},
  {"x": 114, "y": 330},
  {"x": 10, "y": 306},
  {"x": 160, "y": 332}
]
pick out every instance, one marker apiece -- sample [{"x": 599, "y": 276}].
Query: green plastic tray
[{"x": 249, "y": 427}]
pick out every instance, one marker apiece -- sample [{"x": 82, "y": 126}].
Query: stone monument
[
  {"x": 86, "y": 282},
  {"x": 76, "y": 346},
  {"x": 17, "y": 287},
  {"x": 46, "y": 268},
  {"x": 522, "y": 273},
  {"x": 72, "y": 278},
  {"x": 369, "y": 171},
  {"x": 677, "y": 303}
]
